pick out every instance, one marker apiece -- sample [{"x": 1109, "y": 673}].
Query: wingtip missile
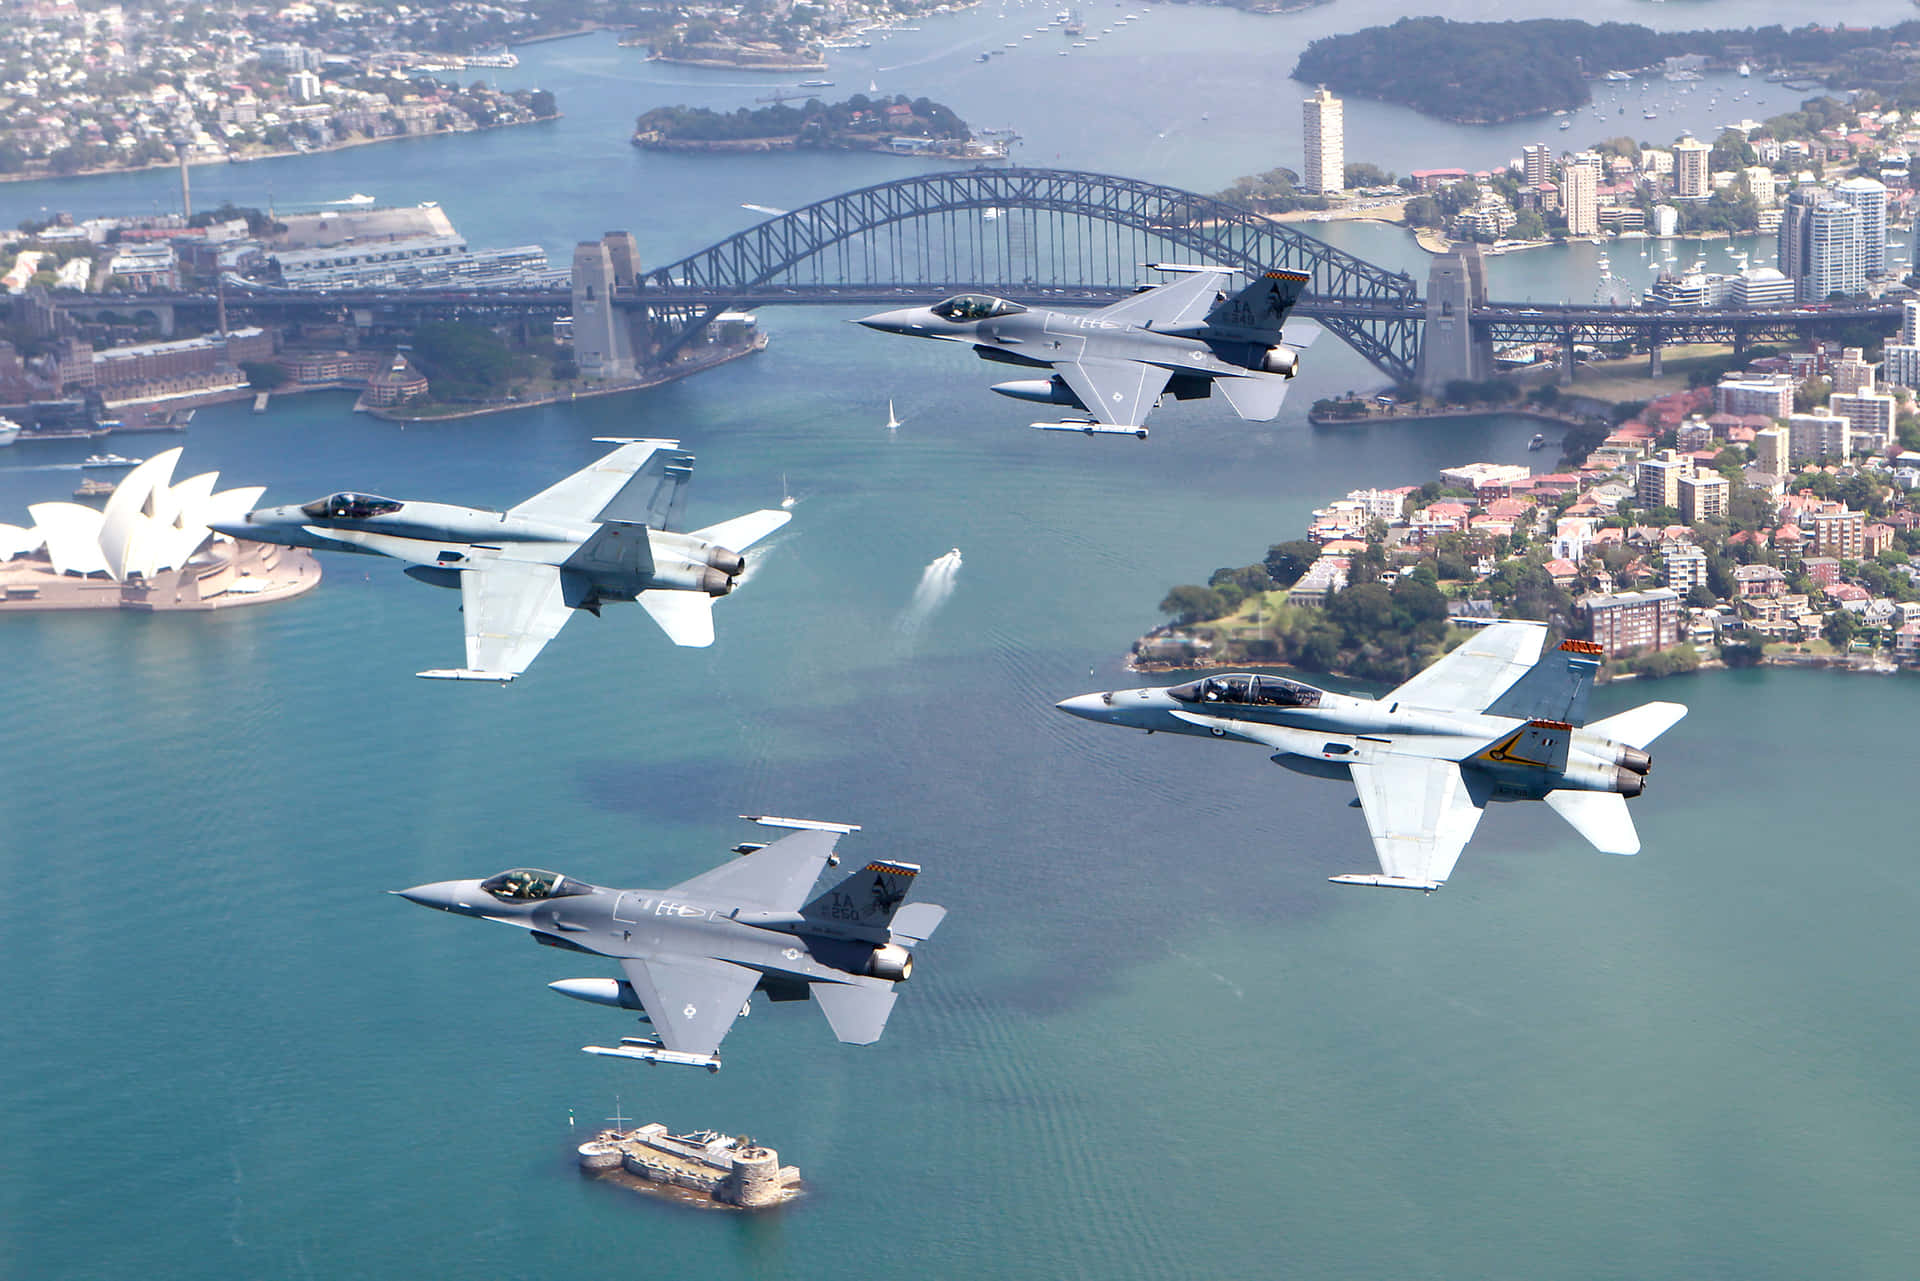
[
  {"x": 466, "y": 674},
  {"x": 1089, "y": 428},
  {"x": 1388, "y": 882},
  {"x": 653, "y": 1052}
]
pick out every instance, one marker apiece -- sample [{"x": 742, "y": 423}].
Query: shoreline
[
  {"x": 250, "y": 157},
  {"x": 1425, "y": 415}
]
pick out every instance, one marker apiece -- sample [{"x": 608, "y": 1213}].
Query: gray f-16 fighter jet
[
  {"x": 600, "y": 535},
  {"x": 1491, "y": 721},
  {"x": 694, "y": 954},
  {"x": 1115, "y": 363}
]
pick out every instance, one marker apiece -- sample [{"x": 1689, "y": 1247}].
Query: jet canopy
[
  {"x": 975, "y": 307},
  {"x": 1257, "y": 691},
  {"x": 349, "y": 507},
  {"x": 531, "y": 884}
]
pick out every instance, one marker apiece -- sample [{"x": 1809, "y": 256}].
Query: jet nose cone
[
  {"x": 447, "y": 896},
  {"x": 905, "y": 320},
  {"x": 1093, "y": 707}
]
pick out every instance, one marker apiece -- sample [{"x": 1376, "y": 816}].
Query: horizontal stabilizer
[
  {"x": 1601, "y": 817},
  {"x": 916, "y": 922},
  {"x": 466, "y": 674},
  {"x": 743, "y": 532},
  {"x": 1094, "y": 429},
  {"x": 857, "y": 1014},
  {"x": 1387, "y": 882},
  {"x": 1638, "y": 726},
  {"x": 686, "y": 617},
  {"x": 1255, "y": 398}
]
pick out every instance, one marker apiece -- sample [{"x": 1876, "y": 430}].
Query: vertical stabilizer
[
  {"x": 1257, "y": 312},
  {"x": 868, "y": 897},
  {"x": 1555, "y": 688}
]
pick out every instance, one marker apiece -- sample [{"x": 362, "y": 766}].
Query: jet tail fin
[
  {"x": 869, "y": 897},
  {"x": 1601, "y": 817},
  {"x": 1555, "y": 688},
  {"x": 1257, "y": 312},
  {"x": 1638, "y": 726},
  {"x": 1543, "y": 744}
]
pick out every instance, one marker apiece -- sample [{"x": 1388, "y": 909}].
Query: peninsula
[{"x": 1488, "y": 72}]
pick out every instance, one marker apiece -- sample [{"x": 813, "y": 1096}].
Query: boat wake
[{"x": 937, "y": 582}]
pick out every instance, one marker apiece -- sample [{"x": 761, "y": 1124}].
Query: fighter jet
[
  {"x": 600, "y": 535},
  {"x": 1115, "y": 363},
  {"x": 693, "y": 955},
  {"x": 1491, "y": 721}
]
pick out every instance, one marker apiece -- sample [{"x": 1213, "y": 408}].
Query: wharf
[{"x": 704, "y": 1167}]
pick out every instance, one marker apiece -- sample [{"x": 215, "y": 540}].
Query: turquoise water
[{"x": 1149, "y": 1041}]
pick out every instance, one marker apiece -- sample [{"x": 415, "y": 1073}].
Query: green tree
[
  {"x": 1286, "y": 562},
  {"x": 1191, "y": 603}
]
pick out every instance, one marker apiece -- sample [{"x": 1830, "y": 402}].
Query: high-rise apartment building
[
  {"x": 1690, "y": 177},
  {"x": 1835, "y": 263},
  {"x": 1581, "y": 195},
  {"x": 1536, "y": 163},
  {"x": 1869, "y": 198},
  {"x": 1323, "y": 118}
]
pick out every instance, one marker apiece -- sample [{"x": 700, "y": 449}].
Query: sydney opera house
[{"x": 150, "y": 548}]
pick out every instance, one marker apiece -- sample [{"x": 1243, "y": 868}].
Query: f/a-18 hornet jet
[
  {"x": 1115, "y": 363},
  {"x": 1491, "y": 721},
  {"x": 694, "y": 954},
  {"x": 600, "y": 535}
]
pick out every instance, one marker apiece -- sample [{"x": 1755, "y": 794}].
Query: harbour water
[{"x": 1149, "y": 1041}]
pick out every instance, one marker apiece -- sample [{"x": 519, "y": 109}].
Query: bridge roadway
[{"x": 1502, "y": 322}]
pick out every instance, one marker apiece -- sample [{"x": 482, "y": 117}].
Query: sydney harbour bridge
[{"x": 1055, "y": 237}]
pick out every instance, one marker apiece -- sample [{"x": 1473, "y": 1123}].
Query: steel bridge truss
[{"x": 1029, "y": 230}]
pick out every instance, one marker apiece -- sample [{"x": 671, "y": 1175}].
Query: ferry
[
  {"x": 1539, "y": 441},
  {"x": 9, "y": 431},
  {"x": 110, "y": 460},
  {"x": 816, "y": 84}
]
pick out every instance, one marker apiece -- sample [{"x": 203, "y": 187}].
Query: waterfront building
[
  {"x": 397, "y": 382},
  {"x": 1322, "y": 579},
  {"x": 1323, "y": 118},
  {"x": 1790, "y": 242},
  {"x": 1690, "y": 176},
  {"x": 1656, "y": 481},
  {"x": 1770, "y": 395},
  {"x": 303, "y": 86},
  {"x": 1820, "y": 434},
  {"x": 1835, "y": 260},
  {"x": 1760, "y": 183},
  {"x": 1772, "y": 451},
  {"x": 143, "y": 267},
  {"x": 1579, "y": 188},
  {"x": 1389, "y": 505},
  {"x": 1628, "y": 621},
  {"x": 1870, "y": 418},
  {"x": 1868, "y": 197},
  {"x": 1478, "y": 476},
  {"x": 1852, "y": 372},
  {"x": 1703, "y": 496},
  {"x": 1536, "y": 163},
  {"x": 184, "y": 364},
  {"x": 1684, "y": 567},
  {"x": 1761, "y": 287},
  {"x": 1666, "y": 221}
]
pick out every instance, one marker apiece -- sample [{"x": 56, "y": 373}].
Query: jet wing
[
  {"x": 512, "y": 609},
  {"x": 779, "y": 877},
  {"x": 1120, "y": 393},
  {"x": 1173, "y": 306},
  {"x": 1473, "y": 676},
  {"x": 691, "y": 1001},
  {"x": 1421, "y": 813},
  {"x": 601, "y": 492}
]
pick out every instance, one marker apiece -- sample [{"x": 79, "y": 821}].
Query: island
[{"x": 899, "y": 125}]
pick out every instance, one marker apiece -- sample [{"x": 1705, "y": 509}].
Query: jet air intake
[{"x": 1281, "y": 360}]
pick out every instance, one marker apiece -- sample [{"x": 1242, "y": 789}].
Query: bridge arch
[{"x": 819, "y": 241}]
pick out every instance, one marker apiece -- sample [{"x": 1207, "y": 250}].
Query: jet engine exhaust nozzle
[
  {"x": 727, "y": 562},
  {"x": 715, "y": 583},
  {"x": 1635, "y": 759},
  {"x": 892, "y": 963},
  {"x": 1281, "y": 360},
  {"x": 1628, "y": 783}
]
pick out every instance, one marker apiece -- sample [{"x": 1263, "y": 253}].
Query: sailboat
[
  {"x": 893, "y": 421},
  {"x": 873, "y": 86},
  {"x": 787, "y": 500}
]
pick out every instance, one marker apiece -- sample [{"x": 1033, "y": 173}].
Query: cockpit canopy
[
  {"x": 975, "y": 307},
  {"x": 1257, "y": 691},
  {"x": 349, "y": 507},
  {"x": 531, "y": 884}
]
